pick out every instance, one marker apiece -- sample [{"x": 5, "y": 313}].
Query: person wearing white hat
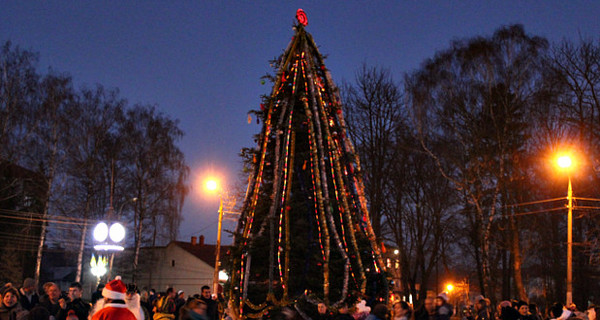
[
  {"x": 443, "y": 310},
  {"x": 114, "y": 306}
]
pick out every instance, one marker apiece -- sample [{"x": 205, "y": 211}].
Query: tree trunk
[
  {"x": 80, "y": 255},
  {"x": 38, "y": 261},
  {"x": 516, "y": 251},
  {"x": 138, "y": 244}
]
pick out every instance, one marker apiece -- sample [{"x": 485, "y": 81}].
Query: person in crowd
[
  {"x": 71, "y": 315},
  {"x": 165, "y": 306},
  {"x": 50, "y": 298},
  {"x": 113, "y": 305},
  {"x": 194, "y": 309},
  {"x": 133, "y": 303},
  {"x": 443, "y": 310},
  {"x": 38, "y": 313},
  {"x": 591, "y": 311},
  {"x": 145, "y": 304},
  {"x": 401, "y": 310},
  {"x": 211, "y": 305},
  {"x": 10, "y": 309},
  {"x": 152, "y": 297},
  {"x": 361, "y": 311},
  {"x": 534, "y": 312},
  {"x": 523, "y": 309},
  {"x": 499, "y": 306},
  {"x": 179, "y": 301},
  {"x": 576, "y": 312},
  {"x": 343, "y": 312},
  {"x": 507, "y": 312},
  {"x": 29, "y": 296},
  {"x": 426, "y": 311},
  {"x": 379, "y": 312},
  {"x": 481, "y": 309},
  {"x": 558, "y": 311},
  {"x": 97, "y": 295},
  {"x": 76, "y": 304},
  {"x": 322, "y": 313}
]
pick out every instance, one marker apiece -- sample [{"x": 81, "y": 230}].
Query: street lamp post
[
  {"x": 109, "y": 238},
  {"x": 570, "y": 244},
  {"x": 226, "y": 204},
  {"x": 218, "y": 248},
  {"x": 565, "y": 163},
  {"x": 213, "y": 185}
]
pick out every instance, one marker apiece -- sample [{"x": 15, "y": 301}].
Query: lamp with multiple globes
[{"x": 109, "y": 238}]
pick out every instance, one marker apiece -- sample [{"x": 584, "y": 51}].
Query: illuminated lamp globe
[
  {"x": 211, "y": 185},
  {"x": 223, "y": 277},
  {"x": 117, "y": 232},
  {"x": 101, "y": 232},
  {"x": 101, "y": 270},
  {"x": 449, "y": 287},
  {"x": 564, "y": 161}
]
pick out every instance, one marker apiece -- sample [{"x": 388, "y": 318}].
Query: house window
[{"x": 172, "y": 263}]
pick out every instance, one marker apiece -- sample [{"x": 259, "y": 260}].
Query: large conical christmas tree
[{"x": 304, "y": 232}]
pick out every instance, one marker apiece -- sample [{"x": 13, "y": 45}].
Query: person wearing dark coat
[
  {"x": 343, "y": 313},
  {"x": 426, "y": 311},
  {"x": 481, "y": 308},
  {"x": 38, "y": 313},
  {"x": 50, "y": 299},
  {"x": 211, "y": 305},
  {"x": 29, "y": 296},
  {"x": 523, "y": 309},
  {"x": 97, "y": 295},
  {"x": 379, "y": 312},
  {"x": 75, "y": 303},
  {"x": 443, "y": 310}
]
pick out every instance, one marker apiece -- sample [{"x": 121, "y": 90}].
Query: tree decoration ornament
[
  {"x": 301, "y": 17},
  {"x": 304, "y": 219}
]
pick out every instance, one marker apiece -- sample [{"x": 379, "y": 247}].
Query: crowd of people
[
  {"x": 115, "y": 300},
  {"x": 439, "y": 308}
]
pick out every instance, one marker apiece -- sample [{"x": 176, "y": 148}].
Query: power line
[
  {"x": 533, "y": 202},
  {"x": 537, "y": 211},
  {"x": 46, "y": 220}
]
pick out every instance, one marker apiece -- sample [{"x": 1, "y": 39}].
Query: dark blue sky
[{"x": 201, "y": 61}]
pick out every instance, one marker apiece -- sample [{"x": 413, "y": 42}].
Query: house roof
[{"x": 204, "y": 252}]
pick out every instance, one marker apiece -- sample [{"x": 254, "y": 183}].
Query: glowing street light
[
  {"x": 109, "y": 238},
  {"x": 449, "y": 287},
  {"x": 565, "y": 162},
  {"x": 98, "y": 266},
  {"x": 211, "y": 185}
]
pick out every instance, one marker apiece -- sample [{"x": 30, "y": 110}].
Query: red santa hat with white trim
[{"x": 115, "y": 289}]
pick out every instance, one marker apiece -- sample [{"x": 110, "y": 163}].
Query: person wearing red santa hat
[{"x": 114, "y": 303}]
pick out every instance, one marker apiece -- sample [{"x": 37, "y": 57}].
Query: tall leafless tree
[
  {"x": 373, "y": 113},
  {"x": 156, "y": 173},
  {"x": 471, "y": 105}
]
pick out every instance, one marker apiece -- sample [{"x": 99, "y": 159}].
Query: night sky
[{"x": 201, "y": 61}]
